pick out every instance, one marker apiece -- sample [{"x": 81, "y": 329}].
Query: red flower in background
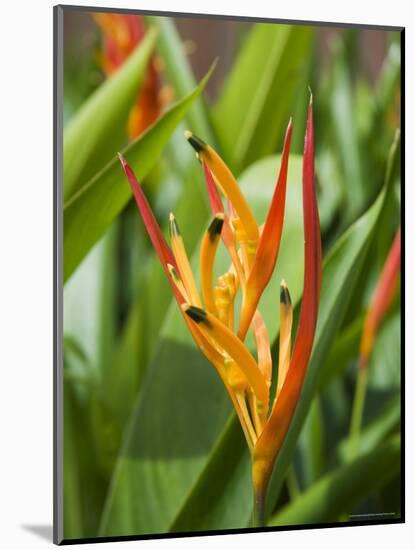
[{"x": 120, "y": 35}]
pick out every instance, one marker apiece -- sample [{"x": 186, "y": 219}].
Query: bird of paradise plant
[
  {"x": 121, "y": 33},
  {"x": 210, "y": 315}
]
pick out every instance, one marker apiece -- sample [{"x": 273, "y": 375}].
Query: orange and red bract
[
  {"x": 273, "y": 435},
  {"x": 150, "y": 222},
  {"x": 381, "y": 300},
  {"x": 269, "y": 244}
]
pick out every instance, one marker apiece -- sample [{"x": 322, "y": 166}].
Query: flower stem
[
  {"x": 258, "y": 516},
  {"x": 357, "y": 412}
]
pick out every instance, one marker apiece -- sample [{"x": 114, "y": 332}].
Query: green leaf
[
  {"x": 129, "y": 358},
  {"x": 253, "y": 111},
  {"x": 84, "y": 488},
  {"x": 329, "y": 187},
  {"x": 384, "y": 369},
  {"x": 225, "y": 472},
  {"x": 343, "y": 353},
  {"x": 72, "y": 502},
  {"x": 385, "y": 361},
  {"x": 83, "y": 300},
  {"x": 179, "y": 73},
  {"x": 311, "y": 444},
  {"x": 99, "y": 127},
  {"x": 183, "y": 406},
  {"x": 345, "y": 132},
  {"x": 339, "y": 491},
  {"x": 376, "y": 431},
  {"x": 107, "y": 314},
  {"x": 92, "y": 209}
]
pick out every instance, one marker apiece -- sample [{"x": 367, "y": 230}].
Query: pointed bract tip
[
  {"x": 197, "y": 314},
  {"x": 197, "y": 144},
  {"x": 173, "y": 227},
  {"x": 311, "y": 95},
  {"x": 285, "y": 297},
  {"x": 215, "y": 227},
  {"x": 122, "y": 160},
  {"x": 187, "y": 134}
]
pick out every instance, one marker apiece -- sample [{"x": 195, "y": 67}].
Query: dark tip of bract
[
  {"x": 215, "y": 226},
  {"x": 197, "y": 144},
  {"x": 197, "y": 314},
  {"x": 285, "y": 297}
]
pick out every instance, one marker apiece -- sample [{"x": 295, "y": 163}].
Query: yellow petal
[
  {"x": 225, "y": 179},
  {"x": 208, "y": 250},
  {"x": 182, "y": 261},
  {"x": 234, "y": 348},
  {"x": 263, "y": 346},
  {"x": 178, "y": 282}
]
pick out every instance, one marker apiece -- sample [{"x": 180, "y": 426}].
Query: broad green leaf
[
  {"x": 225, "y": 471},
  {"x": 339, "y": 491},
  {"x": 98, "y": 128},
  {"x": 253, "y": 111},
  {"x": 311, "y": 444},
  {"x": 92, "y": 209},
  {"x": 182, "y": 397}
]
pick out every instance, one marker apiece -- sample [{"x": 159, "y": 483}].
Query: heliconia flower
[
  {"x": 381, "y": 300},
  {"x": 210, "y": 314},
  {"x": 120, "y": 35}
]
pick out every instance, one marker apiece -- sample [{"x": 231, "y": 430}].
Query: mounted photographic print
[{"x": 228, "y": 310}]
